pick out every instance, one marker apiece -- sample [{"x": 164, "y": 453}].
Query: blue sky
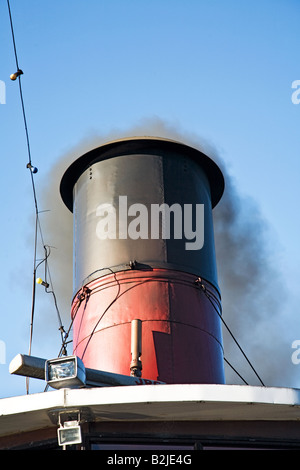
[{"x": 218, "y": 72}]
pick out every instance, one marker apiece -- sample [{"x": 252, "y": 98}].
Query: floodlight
[
  {"x": 69, "y": 433},
  {"x": 66, "y": 372}
]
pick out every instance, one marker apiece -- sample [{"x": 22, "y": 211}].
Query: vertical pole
[{"x": 136, "y": 348}]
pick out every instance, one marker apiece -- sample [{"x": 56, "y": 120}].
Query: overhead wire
[
  {"x": 234, "y": 370},
  {"x": 104, "y": 312},
  {"x": 210, "y": 296},
  {"x": 37, "y": 227},
  {"x": 47, "y": 273}
]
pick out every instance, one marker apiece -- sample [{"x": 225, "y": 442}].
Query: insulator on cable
[
  {"x": 15, "y": 75},
  {"x": 33, "y": 169},
  {"x": 43, "y": 283}
]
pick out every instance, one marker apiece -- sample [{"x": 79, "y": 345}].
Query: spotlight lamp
[
  {"x": 69, "y": 433},
  {"x": 67, "y": 372},
  {"x": 69, "y": 430}
]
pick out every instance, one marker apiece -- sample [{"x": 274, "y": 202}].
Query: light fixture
[
  {"x": 15, "y": 75},
  {"x": 43, "y": 283},
  {"x": 67, "y": 372},
  {"x": 69, "y": 433},
  {"x": 33, "y": 169}
]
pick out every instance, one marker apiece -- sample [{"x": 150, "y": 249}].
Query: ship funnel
[{"x": 144, "y": 249}]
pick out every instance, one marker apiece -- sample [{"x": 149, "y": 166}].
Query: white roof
[{"x": 189, "y": 402}]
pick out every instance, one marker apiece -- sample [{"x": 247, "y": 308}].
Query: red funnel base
[{"x": 181, "y": 331}]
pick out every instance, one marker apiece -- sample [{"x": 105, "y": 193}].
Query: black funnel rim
[{"x": 140, "y": 145}]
